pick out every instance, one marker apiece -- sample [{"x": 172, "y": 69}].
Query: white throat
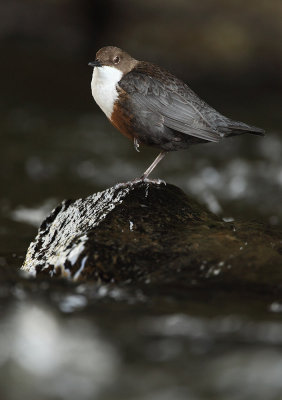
[{"x": 103, "y": 86}]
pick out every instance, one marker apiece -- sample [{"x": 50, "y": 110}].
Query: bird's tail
[{"x": 233, "y": 128}]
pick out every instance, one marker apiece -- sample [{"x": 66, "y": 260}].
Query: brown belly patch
[{"x": 121, "y": 117}]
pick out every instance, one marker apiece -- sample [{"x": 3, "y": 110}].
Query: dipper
[{"x": 151, "y": 106}]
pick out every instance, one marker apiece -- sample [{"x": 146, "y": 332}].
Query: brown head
[{"x": 114, "y": 57}]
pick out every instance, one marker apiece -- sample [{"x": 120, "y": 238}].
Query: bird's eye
[{"x": 116, "y": 59}]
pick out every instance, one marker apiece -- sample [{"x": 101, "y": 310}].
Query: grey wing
[{"x": 177, "y": 112}]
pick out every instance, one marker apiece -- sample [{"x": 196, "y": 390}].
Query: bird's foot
[
  {"x": 145, "y": 179},
  {"x": 140, "y": 180},
  {"x": 157, "y": 181},
  {"x": 136, "y": 145}
]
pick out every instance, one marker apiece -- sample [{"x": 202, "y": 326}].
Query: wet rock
[{"x": 152, "y": 232}]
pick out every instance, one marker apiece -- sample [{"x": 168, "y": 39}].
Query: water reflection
[
  {"x": 214, "y": 329},
  {"x": 55, "y": 358},
  {"x": 34, "y": 216},
  {"x": 138, "y": 352}
]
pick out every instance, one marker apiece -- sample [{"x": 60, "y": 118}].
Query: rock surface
[{"x": 152, "y": 232}]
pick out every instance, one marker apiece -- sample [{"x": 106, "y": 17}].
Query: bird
[{"x": 151, "y": 106}]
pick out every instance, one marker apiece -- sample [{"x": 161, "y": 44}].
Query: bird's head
[{"x": 114, "y": 57}]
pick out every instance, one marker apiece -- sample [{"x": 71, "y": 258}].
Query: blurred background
[{"x": 55, "y": 143}]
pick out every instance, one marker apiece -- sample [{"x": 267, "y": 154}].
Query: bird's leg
[
  {"x": 136, "y": 145},
  {"x": 153, "y": 165}
]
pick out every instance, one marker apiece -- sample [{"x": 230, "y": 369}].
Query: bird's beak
[{"x": 95, "y": 63}]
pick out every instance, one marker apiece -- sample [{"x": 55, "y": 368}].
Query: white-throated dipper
[{"x": 151, "y": 106}]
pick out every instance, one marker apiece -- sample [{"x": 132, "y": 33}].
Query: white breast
[{"x": 103, "y": 86}]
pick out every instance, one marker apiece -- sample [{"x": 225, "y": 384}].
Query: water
[
  {"x": 106, "y": 342},
  {"x": 60, "y": 157},
  {"x": 89, "y": 341}
]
